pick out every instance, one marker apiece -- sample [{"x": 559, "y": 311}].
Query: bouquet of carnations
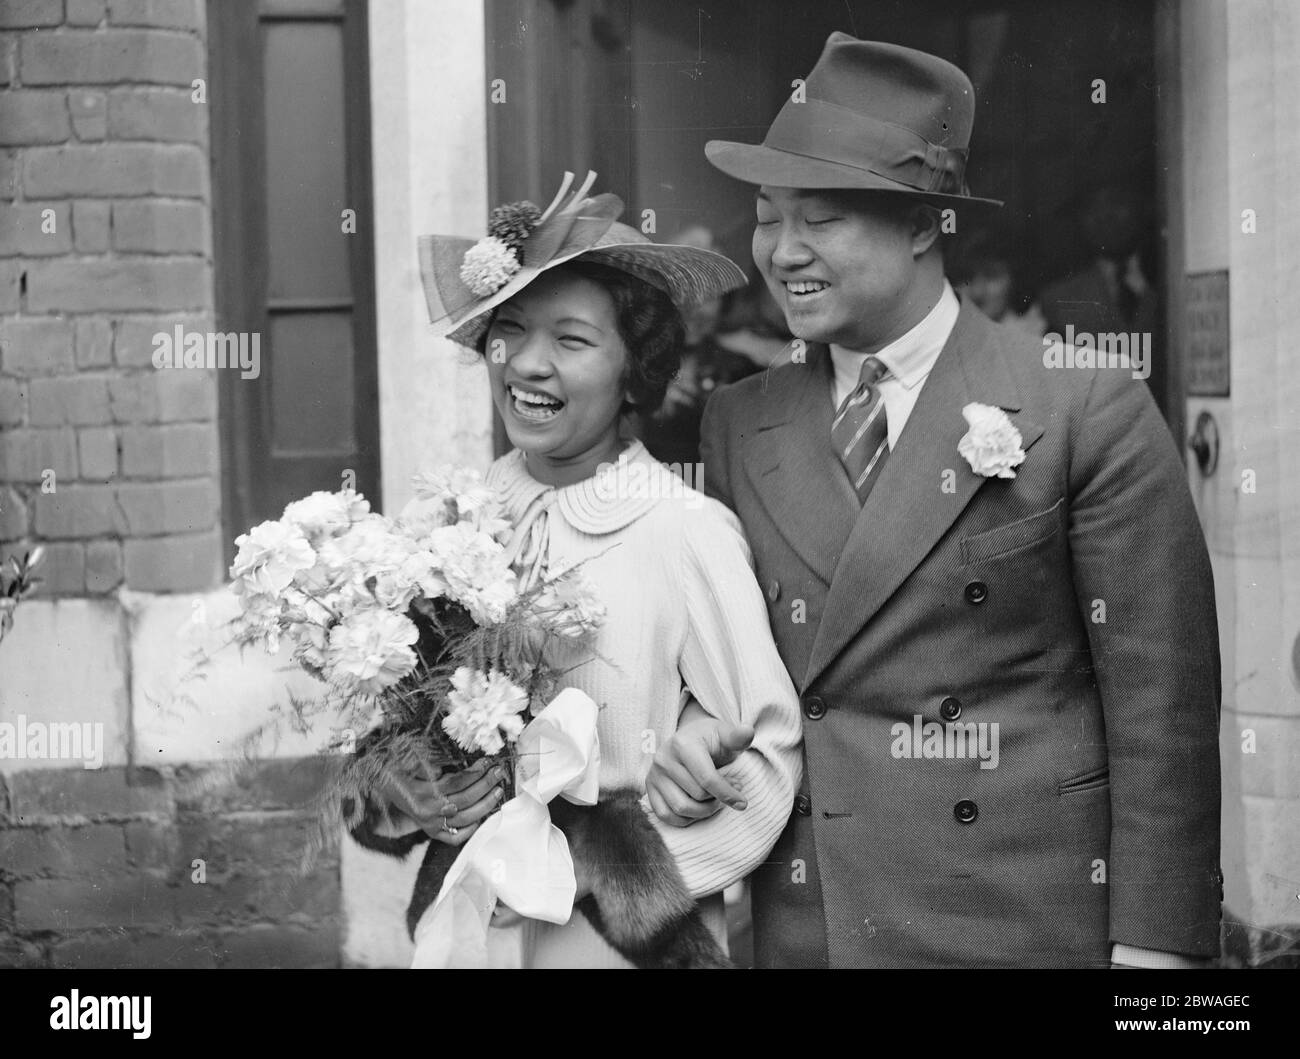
[{"x": 430, "y": 644}]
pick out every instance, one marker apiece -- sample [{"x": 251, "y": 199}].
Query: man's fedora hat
[
  {"x": 465, "y": 280},
  {"x": 871, "y": 116}
]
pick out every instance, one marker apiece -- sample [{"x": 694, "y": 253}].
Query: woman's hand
[
  {"x": 450, "y": 806},
  {"x": 684, "y": 784}
]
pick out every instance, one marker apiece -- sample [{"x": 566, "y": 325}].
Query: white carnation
[
  {"x": 569, "y": 606},
  {"x": 487, "y": 266},
  {"x": 311, "y": 641},
  {"x": 269, "y": 556},
  {"x": 421, "y": 570},
  {"x": 324, "y": 514},
  {"x": 366, "y": 561},
  {"x": 490, "y": 604},
  {"x": 449, "y": 495},
  {"x": 370, "y": 650},
  {"x": 992, "y": 445},
  {"x": 260, "y": 620},
  {"x": 486, "y": 711},
  {"x": 474, "y": 566}
]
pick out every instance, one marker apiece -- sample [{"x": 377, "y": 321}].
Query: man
[
  {"x": 1003, "y": 633},
  {"x": 982, "y": 272},
  {"x": 1111, "y": 294}
]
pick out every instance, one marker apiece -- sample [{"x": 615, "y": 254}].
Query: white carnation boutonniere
[{"x": 992, "y": 446}]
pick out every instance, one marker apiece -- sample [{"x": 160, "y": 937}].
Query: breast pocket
[{"x": 1014, "y": 536}]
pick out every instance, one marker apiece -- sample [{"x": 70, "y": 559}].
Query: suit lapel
[
  {"x": 793, "y": 470},
  {"x": 908, "y": 510}
]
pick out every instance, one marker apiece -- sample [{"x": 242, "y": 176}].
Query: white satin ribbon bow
[{"x": 517, "y": 856}]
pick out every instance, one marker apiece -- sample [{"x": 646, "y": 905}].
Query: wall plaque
[{"x": 1206, "y": 367}]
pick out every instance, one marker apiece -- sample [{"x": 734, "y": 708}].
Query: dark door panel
[{"x": 291, "y": 153}]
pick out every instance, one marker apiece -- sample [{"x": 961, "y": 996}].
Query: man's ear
[{"x": 926, "y": 222}]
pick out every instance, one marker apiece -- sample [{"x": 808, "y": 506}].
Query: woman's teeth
[
  {"x": 535, "y": 406},
  {"x": 806, "y": 286}
]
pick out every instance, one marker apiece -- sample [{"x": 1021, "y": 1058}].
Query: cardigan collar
[{"x": 615, "y": 497}]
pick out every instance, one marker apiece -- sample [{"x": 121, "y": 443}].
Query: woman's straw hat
[{"x": 464, "y": 280}]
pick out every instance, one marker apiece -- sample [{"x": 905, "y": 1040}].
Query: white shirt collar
[{"x": 909, "y": 357}]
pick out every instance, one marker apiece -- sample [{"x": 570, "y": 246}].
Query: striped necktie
[{"x": 859, "y": 433}]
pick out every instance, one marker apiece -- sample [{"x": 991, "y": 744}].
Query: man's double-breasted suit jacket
[{"x": 1071, "y": 606}]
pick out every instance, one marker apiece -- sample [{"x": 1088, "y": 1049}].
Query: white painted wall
[
  {"x": 1241, "y": 134},
  {"x": 428, "y": 88},
  {"x": 125, "y": 663},
  {"x": 429, "y": 149},
  {"x": 65, "y": 662}
]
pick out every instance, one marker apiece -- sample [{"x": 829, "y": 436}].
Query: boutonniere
[{"x": 992, "y": 445}]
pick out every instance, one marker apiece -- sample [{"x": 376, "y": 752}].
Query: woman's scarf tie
[{"x": 531, "y": 539}]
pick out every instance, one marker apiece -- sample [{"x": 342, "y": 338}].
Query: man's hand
[{"x": 684, "y": 784}]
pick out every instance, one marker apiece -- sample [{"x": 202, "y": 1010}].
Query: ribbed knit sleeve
[{"x": 730, "y": 663}]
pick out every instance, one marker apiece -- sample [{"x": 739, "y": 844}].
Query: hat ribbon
[{"x": 819, "y": 129}]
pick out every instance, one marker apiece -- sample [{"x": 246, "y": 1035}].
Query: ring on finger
[{"x": 448, "y": 828}]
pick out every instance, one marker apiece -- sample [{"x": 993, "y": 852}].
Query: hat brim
[
  {"x": 687, "y": 274},
  {"x": 768, "y": 166}
]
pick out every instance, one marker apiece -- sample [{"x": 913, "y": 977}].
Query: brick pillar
[{"x": 104, "y": 241}]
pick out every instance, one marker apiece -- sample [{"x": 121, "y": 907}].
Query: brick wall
[
  {"x": 97, "y": 869},
  {"x": 104, "y": 241}
]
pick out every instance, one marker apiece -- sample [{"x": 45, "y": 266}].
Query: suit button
[
  {"x": 950, "y": 709},
  {"x": 814, "y": 708},
  {"x": 773, "y": 591},
  {"x": 965, "y": 811},
  {"x": 977, "y": 592},
  {"x": 803, "y": 805}
]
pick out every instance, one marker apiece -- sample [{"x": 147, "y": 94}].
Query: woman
[{"x": 581, "y": 328}]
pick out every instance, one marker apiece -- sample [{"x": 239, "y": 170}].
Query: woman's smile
[{"x": 533, "y": 406}]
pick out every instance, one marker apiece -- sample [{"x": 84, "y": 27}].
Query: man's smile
[{"x": 803, "y": 287}]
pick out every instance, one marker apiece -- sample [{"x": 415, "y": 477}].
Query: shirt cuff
[{"x": 1154, "y": 959}]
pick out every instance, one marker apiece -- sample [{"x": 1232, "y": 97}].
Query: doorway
[{"x": 1068, "y": 102}]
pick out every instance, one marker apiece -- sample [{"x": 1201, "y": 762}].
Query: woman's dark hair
[{"x": 649, "y": 325}]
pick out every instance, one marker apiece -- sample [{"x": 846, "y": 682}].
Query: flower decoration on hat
[
  {"x": 465, "y": 281},
  {"x": 514, "y": 222},
  {"x": 489, "y": 263}
]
